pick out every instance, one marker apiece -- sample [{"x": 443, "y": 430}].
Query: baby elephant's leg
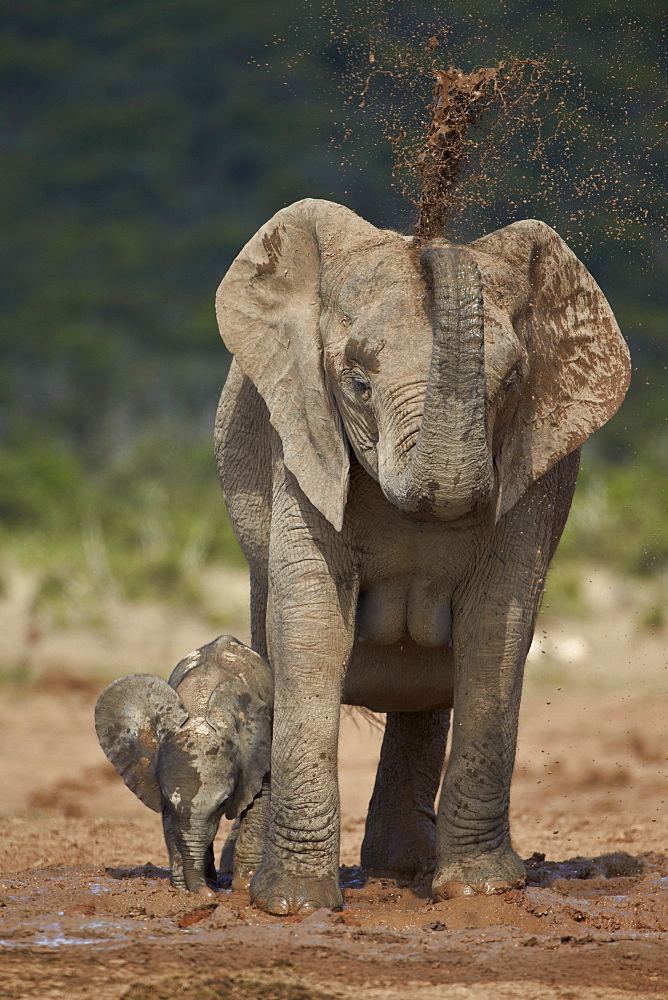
[{"x": 242, "y": 852}]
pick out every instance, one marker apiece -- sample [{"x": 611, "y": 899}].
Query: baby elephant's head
[{"x": 193, "y": 749}]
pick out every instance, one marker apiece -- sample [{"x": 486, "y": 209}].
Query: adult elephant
[{"x": 398, "y": 442}]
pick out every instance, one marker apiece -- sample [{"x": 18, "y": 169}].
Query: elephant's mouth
[{"x": 426, "y": 507}]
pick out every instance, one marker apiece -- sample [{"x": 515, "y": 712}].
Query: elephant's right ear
[
  {"x": 234, "y": 704},
  {"x": 268, "y": 307},
  {"x": 132, "y": 716}
]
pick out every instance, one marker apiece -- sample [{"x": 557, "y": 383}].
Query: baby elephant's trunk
[{"x": 198, "y": 867}]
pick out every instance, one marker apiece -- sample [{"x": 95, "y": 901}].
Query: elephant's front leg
[
  {"x": 310, "y": 623},
  {"x": 299, "y": 870},
  {"x": 493, "y": 622}
]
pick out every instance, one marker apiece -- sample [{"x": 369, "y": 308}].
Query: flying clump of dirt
[
  {"x": 450, "y": 152},
  {"x": 506, "y": 94},
  {"x": 458, "y": 101}
]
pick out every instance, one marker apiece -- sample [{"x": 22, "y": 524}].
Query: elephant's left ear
[
  {"x": 234, "y": 704},
  {"x": 133, "y": 717},
  {"x": 577, "y": 360},
  {"x": 268, "y": 307}
]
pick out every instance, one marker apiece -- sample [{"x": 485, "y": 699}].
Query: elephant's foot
[
  {"x": 242, "y": 853},
  {"x": 197, "y": 887},
  {"x": 247, "y": 860},
  {"x": 485, "y": 875},
  {"x": 283, "y": 893},
  {"x": 242, "y": 875},
  {"x": 404, "y": 850},
  {"x": 206, "y": 893}
]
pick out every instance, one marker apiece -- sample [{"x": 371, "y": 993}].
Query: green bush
[
  {"x": 142, "y": 528},
  {"x": 619, "y": 518},
  {"x": 38, "y": 485}
]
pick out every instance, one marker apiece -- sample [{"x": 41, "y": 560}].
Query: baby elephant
[{"x": 194, "y": 749}]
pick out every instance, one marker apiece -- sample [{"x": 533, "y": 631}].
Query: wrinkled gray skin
[
  {"x": 194, "y": 749},
  {"x": 398, "y": 441}
]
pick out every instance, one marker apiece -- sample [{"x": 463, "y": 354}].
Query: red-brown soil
[{"x": 86, "y": 909}]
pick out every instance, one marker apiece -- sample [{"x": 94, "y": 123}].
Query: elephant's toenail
[
  {"x": 310, "y": 906},
  {"x": 278, "y": 905},
  {"x": 453, "y": 890}
]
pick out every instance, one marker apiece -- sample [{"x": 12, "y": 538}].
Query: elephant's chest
[{"x": 403, "y": 608}]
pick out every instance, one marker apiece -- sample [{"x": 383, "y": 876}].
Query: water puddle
[
  {"x": 53, "y": 936},
  {"x": 352, "y": 877},
  {"x": 96, "y": 888}
]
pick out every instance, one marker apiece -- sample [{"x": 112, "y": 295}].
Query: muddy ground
[{"x": 86, "y": 909}]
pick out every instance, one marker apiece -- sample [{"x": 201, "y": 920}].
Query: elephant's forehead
[
  {"x": 377, "y": 275},
  {"x": 384, "y": 303}
]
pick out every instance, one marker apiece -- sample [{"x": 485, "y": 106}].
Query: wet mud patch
[
  {"x": 83, "y": 915},
  {"x": 599, "y": 921}
]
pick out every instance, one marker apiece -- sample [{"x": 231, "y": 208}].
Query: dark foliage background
[{"x": 146, "y": 140}]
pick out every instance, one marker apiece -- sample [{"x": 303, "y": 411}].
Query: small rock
[
  {"x": 85, "y": 909},
  {"x": 194, "y": 916}
]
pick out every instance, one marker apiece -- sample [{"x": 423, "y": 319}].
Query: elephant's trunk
[
  {"x": 449, "y": 472},
  {"x": 199, "y": 873}
]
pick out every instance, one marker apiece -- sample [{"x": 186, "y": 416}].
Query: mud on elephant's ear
[
  {"x": 132, "y": 717},
  {"x": 244, "y": 720},
  {"x": 268, "y": 307},
  {"x": 578, "y": 365}
]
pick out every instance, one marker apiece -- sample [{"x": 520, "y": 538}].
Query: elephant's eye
[{"x": 359, "y": 385}]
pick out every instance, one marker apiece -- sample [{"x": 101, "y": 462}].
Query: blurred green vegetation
[
  {"x": 143, "y": 145},
  {"x": 618, "y": 521},
  {"x": 142, "y": 527},
  {"x": 145, "y": 526}
]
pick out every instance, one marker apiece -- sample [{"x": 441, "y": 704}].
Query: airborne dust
[
  {"x": 494, "y": 116},
  {"x": 459, "y": 101}
]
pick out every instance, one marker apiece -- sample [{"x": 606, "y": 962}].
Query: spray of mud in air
[
  {"x": 478, "y": 145},
  {"x": 477, "y": 126},
  {"x": 458, "y": 103}
]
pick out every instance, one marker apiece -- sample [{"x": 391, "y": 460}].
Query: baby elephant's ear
[
  {"x": 132, "y": 716},
  {"x": 234, "y": 704}
]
